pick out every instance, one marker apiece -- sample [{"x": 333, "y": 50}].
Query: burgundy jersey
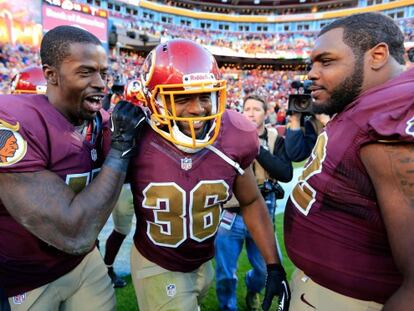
[
  {"x": 37, "y": 137},
  {"x": 177, "y": 195},
  {"x": 334, "y": 231}
]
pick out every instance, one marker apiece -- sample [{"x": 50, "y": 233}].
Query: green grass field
[{"x": 126, "y": 300}]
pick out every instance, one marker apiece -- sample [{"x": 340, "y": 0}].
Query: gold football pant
[
  {"x": 310, "y": 296},
  {"x": 86, "y": 288},
  {"x": 158, "y": 289}
]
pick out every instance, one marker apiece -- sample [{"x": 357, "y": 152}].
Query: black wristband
[{"x": 275, "y": 267}]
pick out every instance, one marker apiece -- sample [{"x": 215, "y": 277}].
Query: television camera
[{"x": 301, "y": 101}]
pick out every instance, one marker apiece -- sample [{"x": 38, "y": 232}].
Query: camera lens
[
  {"x": 410, "y": 54},
  {"x": 302, "y": 104}
]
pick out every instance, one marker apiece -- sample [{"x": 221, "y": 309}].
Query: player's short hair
[
  {"x": 365, "y": 30},
  {"x": 4, "y": 136},
  {"x": 258, "y": 98},
  {"x": 56, "y": 42}
]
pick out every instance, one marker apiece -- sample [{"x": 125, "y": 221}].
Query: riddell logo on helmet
[{"x": 198, "y": 77}]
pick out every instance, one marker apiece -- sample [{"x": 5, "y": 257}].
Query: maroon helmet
[
  {"x": 29, "y": 81},
  {"x": 181, "y": 67}
]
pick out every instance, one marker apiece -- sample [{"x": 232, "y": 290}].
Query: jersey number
[
  {"x": 303, "y": 195},
  {"x": 79, "y": 181},
  {"x": 171, "y": 225}
]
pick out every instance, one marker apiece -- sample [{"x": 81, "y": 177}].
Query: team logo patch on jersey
[
  {"x": 19, "y": 299},
  {"x": 186, "y": 164},
  {"x": 410, "y": 127},
  {"x": 12, "y": 145},
  {"x": 171, "y": 290}
]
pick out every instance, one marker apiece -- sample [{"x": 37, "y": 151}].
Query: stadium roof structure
[{"x": 262, "y": 7}]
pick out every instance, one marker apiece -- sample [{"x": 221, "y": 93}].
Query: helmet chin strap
[{"x": 180, "y": 136}]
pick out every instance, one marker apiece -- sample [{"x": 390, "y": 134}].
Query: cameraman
[
  {"x": 303, "y": 126},
  {"x": 299, "y": 140},
  {"x": 271, "y": 164}
]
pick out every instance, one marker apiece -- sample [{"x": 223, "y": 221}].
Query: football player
[
  {"x": 57, "y": 189},
  {"x": 123, "y": 211},
  {"x": 349, "y": 220},
  {"x": 191, "y": 158},
  {"x": 270, "y": 165}
]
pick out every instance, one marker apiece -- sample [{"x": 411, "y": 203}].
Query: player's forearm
[
  {"x": 92, "y": 206},
  {"x": 50, "y": 210},
  {"x": 257, "y": 220}
]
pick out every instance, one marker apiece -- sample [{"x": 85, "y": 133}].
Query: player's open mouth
[
  {"x": 94, "y": 102},
  {"x": 198, "y": 125}
]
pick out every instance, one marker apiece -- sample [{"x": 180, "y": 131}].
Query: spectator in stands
[
  {"x": 271, "y": 165},
  {"x": 281, "y": 116}
]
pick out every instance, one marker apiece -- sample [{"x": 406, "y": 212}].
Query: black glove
[
  {"x": 4, "y": 302},
  {"x": 276, "y": 285},
  {"x": 126, "y": 123}
]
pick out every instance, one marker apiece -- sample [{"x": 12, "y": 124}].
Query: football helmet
[
  {"x": 134, "y": 93},
  {"x": 29, "y": 81},
  {"x": 180, "y": 67}
]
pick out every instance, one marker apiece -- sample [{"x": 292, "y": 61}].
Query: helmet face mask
[{"x": 181, "y": 68}]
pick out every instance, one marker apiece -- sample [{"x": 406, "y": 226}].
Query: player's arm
[
  {"x": 50, "y": 210},
  {"x": 391, "y": 169},
  {"x": 256, "y": 217}
]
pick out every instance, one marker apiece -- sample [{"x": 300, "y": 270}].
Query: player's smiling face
[
  {"x": 191, "y": 106},
  {"x": 82, "y": 80}
]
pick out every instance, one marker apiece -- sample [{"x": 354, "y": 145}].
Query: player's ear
[
  {"x": 378, "y": 56},
  {"x": 50, "y": 74}
]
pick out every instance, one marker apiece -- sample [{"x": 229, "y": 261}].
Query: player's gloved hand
[
  {"x": 276, "y": 285},
  {"x": 126, "y": 122}
]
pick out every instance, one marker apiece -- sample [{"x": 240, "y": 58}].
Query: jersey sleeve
[
  {"x": 21, "y": 148},
  {"x": 242, "y": 141},
  {"x": 396, "y": 124}
]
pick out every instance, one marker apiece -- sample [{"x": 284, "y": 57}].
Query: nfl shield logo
[
  {"x": 171, "y": 290},
  {"x": 94, "y": 155},
  {"x": 186, "y": 164},
  {"x": 18, "y": 299}
]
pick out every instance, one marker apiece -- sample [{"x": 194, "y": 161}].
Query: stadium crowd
[
  {"x": 297, "y": 43},
  {"x": 272, "y": 85}
]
